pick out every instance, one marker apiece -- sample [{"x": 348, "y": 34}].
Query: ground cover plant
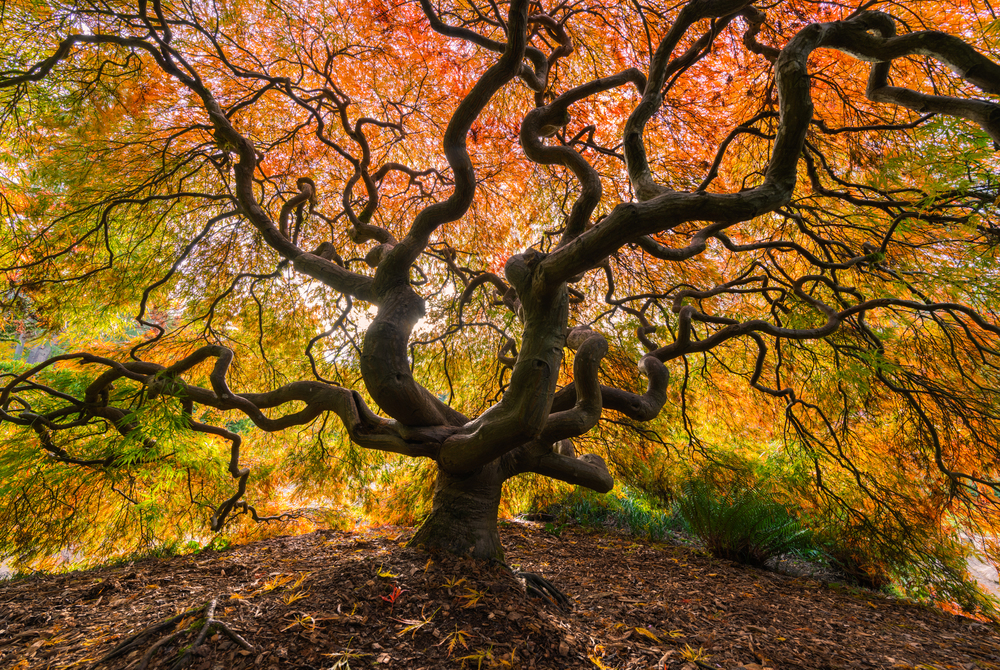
[{"x": 745, "y": 526}]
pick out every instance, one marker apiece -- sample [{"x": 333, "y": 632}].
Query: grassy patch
[{"x": 624, "y": 510}]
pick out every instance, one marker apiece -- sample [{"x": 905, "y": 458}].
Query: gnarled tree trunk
[{"x": 463, "y": 520}]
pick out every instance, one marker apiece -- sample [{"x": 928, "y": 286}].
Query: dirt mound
[{"x": 362, "y": 600}]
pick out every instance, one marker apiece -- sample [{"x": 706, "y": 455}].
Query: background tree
[{"x": 409, "y": 216}]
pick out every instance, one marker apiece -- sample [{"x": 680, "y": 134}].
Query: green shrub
[{"x": 745, "y": 526}]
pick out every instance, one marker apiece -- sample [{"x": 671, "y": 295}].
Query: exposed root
[
  {"x": 540, "y": 587},
  {"x": 205, "y": 626}
]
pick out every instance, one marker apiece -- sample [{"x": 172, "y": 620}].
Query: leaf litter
[{"x": 340, "y": 600}]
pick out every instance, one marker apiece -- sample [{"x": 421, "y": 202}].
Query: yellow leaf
[
  {"x": 597, "y": 658},
  {"x": 386, "y": 574},
  {"x": 293, "y": 597}
]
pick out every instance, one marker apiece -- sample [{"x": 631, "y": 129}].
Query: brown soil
[{"x": 325, "y": 601}]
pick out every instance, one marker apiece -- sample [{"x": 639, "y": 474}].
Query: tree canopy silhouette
[{"x": 468, "y": 232}]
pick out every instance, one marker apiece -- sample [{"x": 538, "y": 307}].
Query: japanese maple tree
[{"x": 427, "y": 220}]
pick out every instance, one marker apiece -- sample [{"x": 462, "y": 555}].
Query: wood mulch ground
[{"x": 335, "y": 600}]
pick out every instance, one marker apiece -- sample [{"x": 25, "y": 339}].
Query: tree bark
[{"x": 463, "y": 520}]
